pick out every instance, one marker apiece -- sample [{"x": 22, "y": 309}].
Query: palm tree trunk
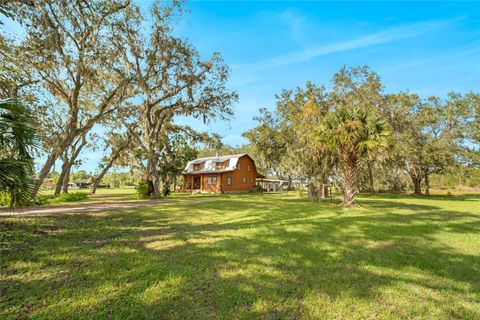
[
  {"x": 349, "y": 180},
  {"x": 370, "y": 176}
]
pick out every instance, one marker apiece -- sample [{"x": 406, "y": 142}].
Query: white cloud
[{"x": 381, "y": 37}]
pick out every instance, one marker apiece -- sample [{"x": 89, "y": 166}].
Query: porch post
[{"x": 221, "y": 183}]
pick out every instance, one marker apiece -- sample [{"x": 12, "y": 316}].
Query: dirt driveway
[
  {"x": 87, "y": 207},
  {"x": 95, "y": 203}
]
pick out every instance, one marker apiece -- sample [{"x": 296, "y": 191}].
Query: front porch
[{"x": 201, "y": 183}]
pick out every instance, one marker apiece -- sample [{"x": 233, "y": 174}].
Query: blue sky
[{"x": 429, "y": 48}]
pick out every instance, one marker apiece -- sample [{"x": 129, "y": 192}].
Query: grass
[{"x": 248, "y": 256}]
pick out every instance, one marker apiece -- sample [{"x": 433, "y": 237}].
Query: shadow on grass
[
  {"x": 462, "y": 197},
  {"x": 242, "y": 257}
]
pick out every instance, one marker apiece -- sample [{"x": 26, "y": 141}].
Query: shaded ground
[
  {"x": 247, "y": 257},
  {"x": 87, "y": 207},
  {"x": 95, "y": 203}
]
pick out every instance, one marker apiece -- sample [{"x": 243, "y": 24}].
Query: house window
[
  {"x": 195, "y": 167},
  {"x": 218, "y": 166},
  {"x": 229, "y": 181},
  {"x": 212, "y": 180},
  {"x": 251, "y": 180},
  {"x": 238, "y": 166},
  {"x": 248, "y": 167},
  {"x": 244, "y": 180}
]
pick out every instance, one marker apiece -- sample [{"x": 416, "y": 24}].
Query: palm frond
[{"x": 18, "y": 138}]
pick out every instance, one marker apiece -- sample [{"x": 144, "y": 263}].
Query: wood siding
[
  {"x": 237, "y": 176},
  {"x": 243, "y": 178},
  {"x": 211, "y": 188}
]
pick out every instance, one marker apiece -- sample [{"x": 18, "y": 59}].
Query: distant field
[{"x": 247, "y": 256}]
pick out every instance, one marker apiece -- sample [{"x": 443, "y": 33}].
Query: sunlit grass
[{"x": 247, "y": 256}]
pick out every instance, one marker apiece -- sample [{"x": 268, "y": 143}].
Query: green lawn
[{"x": 248, "y": 256}]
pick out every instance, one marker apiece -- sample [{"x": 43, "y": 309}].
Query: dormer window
[
  {"x": 218, "y": 166},
  {"x": 196, "y": 167}
]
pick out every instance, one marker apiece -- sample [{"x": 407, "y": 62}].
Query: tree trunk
[
  {"x": 56, "y": 152},
  {"x": 417, "y": 183},
  {"x": 102, "y": 174},
  {"x": 349, "y": 181},
  {"x": 66, "y": 180},
  {"x": 427, "y": 183},
  {"x": 370, "y": 177},
  {"x": 70, "y": 163},
  {"x": 61, "y": 178},
  {"x": 314, "y": 191},
  {"x": 325, "y": 191},
  {"x": 44, "y": 172},
  {"x": 97, "y": 180},
  {"x": 113, "y": 158},
  {"x": 417, "y": 176},
  {"x": 153, "y": 177}
]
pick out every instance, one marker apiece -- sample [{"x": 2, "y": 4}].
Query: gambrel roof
[{"x": 210, "y": 162}]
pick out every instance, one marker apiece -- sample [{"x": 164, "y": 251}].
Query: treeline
[
  {"x": 352, "y": 134},
  {"x": 108, "y": 66}
]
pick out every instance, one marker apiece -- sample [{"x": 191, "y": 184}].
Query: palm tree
[
  {"x": 352, "y": 133},
  {"x": 18, "y": 138}
]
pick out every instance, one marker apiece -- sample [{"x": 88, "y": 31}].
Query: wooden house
[{"x": 221, "y": 174}]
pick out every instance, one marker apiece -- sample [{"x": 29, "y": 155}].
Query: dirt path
[{"x": 97, "y": 205}]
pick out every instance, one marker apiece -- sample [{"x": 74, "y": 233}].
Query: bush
[
  {"x": 143, "y": 189},
  {"x": 4, "y": 199},
  {"x": 41, "y": 200},
  {"x": 166, "y": 191},
  {"x": 70, "y": 197},
  {"x": 258, "y": 189}
]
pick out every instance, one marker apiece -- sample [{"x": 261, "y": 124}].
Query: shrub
[
  {"x": 166, "y": 191},
  {"x": 258, "y": 188},
  {"x": 4, "y": 199},
  {"x": 41, "y": 200},
  {"x": 143, "y": 189},
  {"x": 70, "y": 197}
]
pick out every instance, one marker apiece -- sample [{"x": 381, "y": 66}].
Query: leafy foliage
[
  {"x": 143, "y": 189},
  {"x": 18, "y": 138},
  {"x": 70, "y": 197},
  {"x": 169, "y": 78}
]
